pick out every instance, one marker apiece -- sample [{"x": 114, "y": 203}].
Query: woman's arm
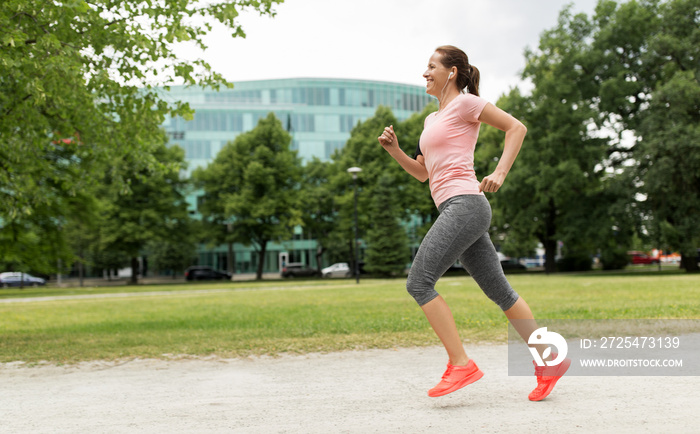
[
  {"x": 515, "y": 134},
  {"x": 415, "y": 168}
]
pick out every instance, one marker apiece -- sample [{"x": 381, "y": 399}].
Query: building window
[
  {"x": 286, "y": 119},
  {"x": 327, "y": 124},
  {"x": 347, "y": 122},
  {"x": 331, "y": 146},
  {"x": 357, "y": 98},
  {"x": 303, "y": 122},
  {"x": 235, "y": 122},
  {"x": 240, "y": 96},
  {"x": 196, "y": 149}
]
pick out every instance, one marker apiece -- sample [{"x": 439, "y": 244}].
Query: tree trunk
[
  {"x": 690, "y": 263},
  {"x": 229, "y": 258},
  {"x": 550, "y": 254},
  {"x": 261, "y": 260},
  {"x": 319, "y": 255},
  {"x": 550, "y": 241},
  {"x": 134, "y": 270},
  {"x": 81, "y": 271}
]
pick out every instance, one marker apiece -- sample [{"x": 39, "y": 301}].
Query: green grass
[
  {"x": 118, "y": 288},
  {"x": 253, "y": 318}
]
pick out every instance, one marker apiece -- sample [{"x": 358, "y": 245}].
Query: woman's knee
[
  {"x": 497, "y": 288},
  {"x": 421, "y": 290}
]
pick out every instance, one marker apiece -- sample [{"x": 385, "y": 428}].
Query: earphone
[{"x": 445, "y": 86}]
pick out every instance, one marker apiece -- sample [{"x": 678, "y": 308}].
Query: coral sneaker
[
  {"x": 547, "y": 377},
  {"x": 456, "y": 377}
]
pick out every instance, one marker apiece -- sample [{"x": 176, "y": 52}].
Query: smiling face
[{"x": 436, "y": 75}]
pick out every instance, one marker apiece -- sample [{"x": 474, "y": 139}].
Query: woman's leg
[
  {"x": 481, "y": 261},
  {"x": 441, "y": 320},
  {"x": 462, "y": 221},
  {"x": 520, "y": 316}
]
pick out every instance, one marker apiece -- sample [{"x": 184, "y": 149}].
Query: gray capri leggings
[{"x": 460, "y": 232}]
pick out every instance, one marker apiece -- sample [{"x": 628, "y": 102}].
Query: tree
[
  {"x": 173, "y": 254},
  {"x": 414, "y": 204},
  {"x": 78, "y": 91},
  {"x": 644, "y": 61},
  {"x": 618, "y": 65},
  {"x": 632, "y": 67},
  {"x": 32, "y": 239},
  {"x": 319, "y": 218},
  {"x": 387, "y": 242},
  {"x": 413, "y": 198},
  {"x": 254, "y": 182},
  {"x": 26, "y": 245},
  {"x": 508, "y": 236},
  {"x": 556, "y": 180},
  {"x": 670, "y": 164},
  {"x": 361, "y": 150},
  {"x": 81, "y": 232},
  {"x": 152, "y": 210}
]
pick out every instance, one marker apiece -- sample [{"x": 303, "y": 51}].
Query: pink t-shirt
[{"x": 447, "y": 144}]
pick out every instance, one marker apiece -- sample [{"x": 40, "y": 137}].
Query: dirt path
[{"x": 379, "y": 391}]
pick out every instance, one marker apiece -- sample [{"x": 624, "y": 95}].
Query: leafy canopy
[{"x": 78, "y": 94}]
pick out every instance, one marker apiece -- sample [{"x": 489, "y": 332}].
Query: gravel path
[{"x": 374, "y": 391}]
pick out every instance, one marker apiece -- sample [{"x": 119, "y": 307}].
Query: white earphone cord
[{"x": 442, "y": 93}]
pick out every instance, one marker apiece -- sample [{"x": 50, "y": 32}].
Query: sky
[{"x": 384, "y": 40}]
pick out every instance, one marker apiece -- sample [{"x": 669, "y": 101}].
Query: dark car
[
  {"x": 297, "y": 269},
  {"x": 512, "y": 264},
  {"x": 20, "y": 279},
  {"x": 203, "y": 272}
]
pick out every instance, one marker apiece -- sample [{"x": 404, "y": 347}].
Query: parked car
[
  {"x": 203, "y": 272},
  {"x": 641, "y": 258},
  {"x": 507, "y": 264},
  {"x": 512, "y": 264},
  {"x": 455, "y": 268},
  {"x": 297, "y": 269},
  {"x": 15, "y": 279},
  {"x": 341, "y": 269}
]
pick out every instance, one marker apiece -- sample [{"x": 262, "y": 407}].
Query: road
[{"x": 369, "y": 391}]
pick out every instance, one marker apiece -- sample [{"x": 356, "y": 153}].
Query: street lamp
[{"x": 354, "y": 171}]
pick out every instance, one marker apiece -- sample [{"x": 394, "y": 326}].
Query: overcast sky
[{"x": 386, "y": 40}]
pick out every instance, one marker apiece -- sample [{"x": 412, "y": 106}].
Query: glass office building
[{"x": 319, "y": 114}]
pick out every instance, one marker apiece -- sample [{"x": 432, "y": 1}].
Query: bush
[
  {"x": 575, "y": 262},
  {"x": 614, "y": 259}
]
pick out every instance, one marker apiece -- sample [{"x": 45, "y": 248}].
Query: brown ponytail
[{"x": 467, "y": 75}]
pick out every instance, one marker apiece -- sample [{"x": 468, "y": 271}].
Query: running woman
[{"x": 445, "y": 156}]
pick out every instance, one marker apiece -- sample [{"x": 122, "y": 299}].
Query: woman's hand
[
  {"x": 390, "y": 143},
  {"x": 491, "y": 183},
  {"x": 388, "y": 139}
]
